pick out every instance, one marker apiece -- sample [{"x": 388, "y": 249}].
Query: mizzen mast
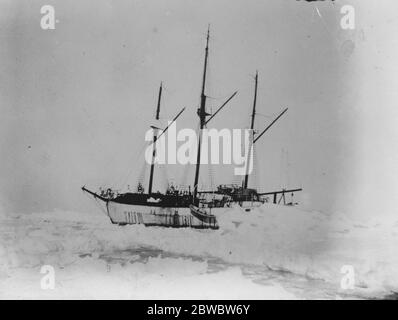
[
  {"x": 254, "y": 140},
  {"x": 252, "y": 132}
]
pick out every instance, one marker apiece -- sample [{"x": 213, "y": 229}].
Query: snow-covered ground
[{"x": 272, "y": 252}]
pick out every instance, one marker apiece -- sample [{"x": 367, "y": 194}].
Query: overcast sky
[{"x": 76, "y": 101}]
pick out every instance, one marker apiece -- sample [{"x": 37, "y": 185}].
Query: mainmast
[
  {"x": 252, "y": 132},
  {"x": 155, "y": 137},
  {"x": 202, "y": 116}
]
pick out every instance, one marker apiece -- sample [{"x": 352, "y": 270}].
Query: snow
[{"x": 94, "y": 259}]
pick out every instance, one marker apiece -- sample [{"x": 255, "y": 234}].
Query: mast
[
  {"x": 202, "y": 116},
  {"x": 252, "y": 128},
  {"x": 154, "y": 141}
]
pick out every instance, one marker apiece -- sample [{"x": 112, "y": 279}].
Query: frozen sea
[{"x": 273, "y": 252}]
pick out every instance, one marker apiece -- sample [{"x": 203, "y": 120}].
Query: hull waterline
[{"x": 148, "y": 215}]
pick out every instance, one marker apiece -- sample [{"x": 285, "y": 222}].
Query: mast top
[
  {"x": 254, "y": 101},
  {"x": 159, "y": 97},
  {"x": 202, "y": 109},
  {"x": 208, "y": 36}
]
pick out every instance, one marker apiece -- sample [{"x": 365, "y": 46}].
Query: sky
[{"x": 76, "y": 101}]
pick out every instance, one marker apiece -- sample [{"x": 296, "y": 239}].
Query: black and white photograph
[{"x": 198, "y": 150}]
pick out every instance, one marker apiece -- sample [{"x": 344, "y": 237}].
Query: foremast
[{"x": 155, "y": 137}]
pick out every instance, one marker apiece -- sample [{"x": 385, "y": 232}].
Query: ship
[{"x": 183, "y": 208}]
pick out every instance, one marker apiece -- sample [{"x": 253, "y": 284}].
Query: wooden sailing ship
[{"x": 175, "y": 208}]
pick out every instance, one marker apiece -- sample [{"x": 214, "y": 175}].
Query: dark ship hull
[
  {"x": 149, "y": 215},
  {"x": 163, "y": 210}
]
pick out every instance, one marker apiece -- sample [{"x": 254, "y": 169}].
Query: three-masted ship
[{"x": 176, "y": 208}]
